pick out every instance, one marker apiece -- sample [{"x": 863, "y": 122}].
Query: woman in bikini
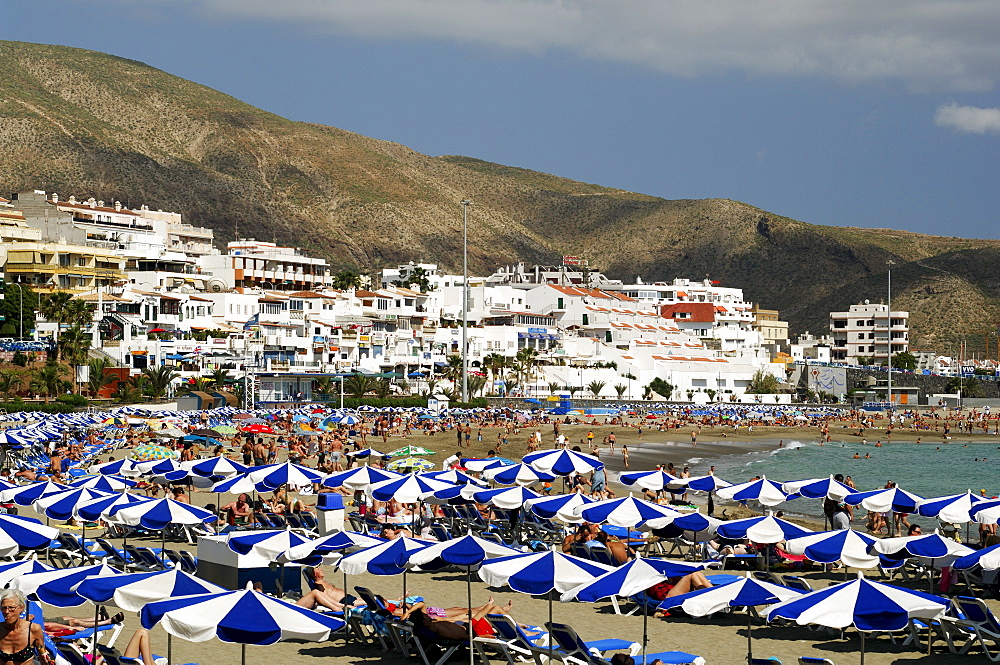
[{"x": 20, "y": 640}]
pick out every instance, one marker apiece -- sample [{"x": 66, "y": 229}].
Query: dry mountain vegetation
[{"x": 90, "y": 124}]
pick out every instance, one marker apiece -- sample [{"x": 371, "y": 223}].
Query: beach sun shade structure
[
  {"x": 929, "y": 546},
  {"x": 565, "y": 507},
  {"x": 150, "y": 452},
  {"x": 517, "y": 474},
  {"x": 651, "y": 480},
  {"x": 563, "y": 462},
  {"x": 113, "y": 468},
  {"x": 541, "y": 573},
  {"x": 987, "y": 512},
  {"x": 508, "y": 498},
  {"x": 707, "y": 483},
  {"x": 845, "y": 545},
  {"x": 91, "y": 511},
  {"x": 957, "y": 508},
  {"x": 274, "y": 476},
  {"x": 238, "y": 484},
  {"x": 347, "y": 420},
  {"x": 157, "y": 514},
  {"x": 268, "y": 544},
  {"x": 216, "y": 466},
  {"x": 987, "y": 558},
  {"x": 454, "y": 476},
  {"x": 627, "y": 580},
  {"x": 58, "y": 587},
  {"x": 409, "y": 464},
  {"x": 359, "y": 479},
  {"x": 468, "y": 552},
  {"x": 341, "y": 541},
  {"x": 25, "y": 495},
  {"x": 405, "y": 489},
  {"x": 411, "y": 451},
  {"x": 478, "y": 465},
  {"x": 868, "y": 606},
  {"x": 893, "y": 499},
  {"x": 767, "y": 529},
  {"x": 367, "y": 452},
  {"x": 63, "y": 505},
  {"x": 23, "y": 533},
  {"x": 747, "y": 592},
  {"x": 104, "y": 483},
  {"x": 763, "y": 491},
  {"x": 818, "y": 488},
  {"x": 390, "y": 557},
  {"x": 626, "y": 511},
  {"x": 241, "y": 617},
  {"x": 8, "y": 571},
  {"x": 695, "y": 521}
]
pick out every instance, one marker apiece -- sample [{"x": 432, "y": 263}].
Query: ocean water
[{"x": 926, "y": 469}]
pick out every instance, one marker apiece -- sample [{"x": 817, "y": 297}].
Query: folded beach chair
[{"x": 576, "y": 651}]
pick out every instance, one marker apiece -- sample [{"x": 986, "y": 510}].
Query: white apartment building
[
  {"x": 869, "y": 331},
  {"x": 255, "y": 264}
]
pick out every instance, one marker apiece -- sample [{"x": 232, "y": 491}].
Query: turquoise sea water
[{"x": 927, "y": 469}]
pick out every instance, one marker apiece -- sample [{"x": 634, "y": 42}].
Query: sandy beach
[{"x": 720, "y": 639}]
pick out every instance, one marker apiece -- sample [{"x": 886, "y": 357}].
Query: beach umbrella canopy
[
  {"x": 147, "y": 452},
  {"x": 517, "y": 474},
  {"x": 410, "y": 464},
  {"x": 341, "y": 541},
  {"x": 707, "y": 483},
  {"x": 58, "y": 587},
  {"x": 565, "y": 507},
  {"x": 241, "y": 617},
  {"x": 747, "y": 592},
  {"x": 411, "y": 451},
  {"x": 763, "y": 491},
  {"x": 268, "y": 544},
  {"x": 23, "y": 533},
  {"x": 957, "y": 508},
  {"x": 391, "y": 557},
  {"x": 156, "y": 514},
  {"x": 92, "y": 510},
  {"x": 216, "y": 466},
  {"x": 892, "y": 499},
  {"x": 25, "y": 495},
  {"x": 478, "y": 465},
  {"x": 8, "y": 571},
  {"x": 867, "y": 605},
  {"x": 818, "y": 488},
  {"x": 629, "y": 579},
  {"x": 695, "y": 521},
  {"x": 987, "y": 512},
  {"x": 454, "y": 476},
  {"x": 405, "y": 489},
  {"x": 927, "y": 546},
  {"x": 367, "y": 452},
  {"x": 131, "y": 592},
  {"x": 507, "y": 498},
  {"x": 846, "y": 545},
  {"x": 540, "y": 572},
  {"x": 766, "y": 529},
  {"x": 626, "y": 511},
  {"x": 347, "y": 420},
  {"x": 467, "y": 551},
  {"x": 114, "y": 468},
  {"x": 274, "y": 476},
  {"x": 237, "y": 484},
  {"x": 651, "y": 480},
  {"x": 359, "y": 479},
  {"x": 563, "y": 462},
  {"x": 101, "y": 483},
  {"x": 987, "y": 559},
  {"x": 63, "y": 505},
  {"x": 258, "y": 428}
]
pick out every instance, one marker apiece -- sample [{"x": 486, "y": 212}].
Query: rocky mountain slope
[{"x": 90, "y": 124}]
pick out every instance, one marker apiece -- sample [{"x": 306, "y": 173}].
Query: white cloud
[
  {"x": 968, "y": 119},
  {"x": 925, "y": 44}
]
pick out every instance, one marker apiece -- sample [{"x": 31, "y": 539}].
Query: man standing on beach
[{"x": 694, "y": 438}]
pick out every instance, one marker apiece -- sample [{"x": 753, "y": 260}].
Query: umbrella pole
[
  {"x": 163, "y": 546},
  {"x": 862, "y": 647},
  {"x": 243, "y": 651},
  {"x": 550, "y": 625},
  {"x": 93, "y": 646},
  {"x": 468, "y": 586},
  {"x": 645, "y": 619},
  {"x": 749, "y": 639},
  {"x": 170, "y": 649}
]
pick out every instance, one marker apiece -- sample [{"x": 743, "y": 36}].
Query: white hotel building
[{"x": 866, "y": 331}]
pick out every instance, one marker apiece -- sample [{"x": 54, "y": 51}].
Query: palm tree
[
  {"x": 324, "y": 386},
  {"x": 219, "y": 377},
  {"x": 572, "y": 390},
  {"x": 595, "y": 388},
  {"x": 357, "y": 384},
  {"x": 620, "y": 388},
  {"x": 453, "y": 371},
  {"x": 383, "y": 388},
  {"x": 54, "y": 307},
  {"x": 553, "y": 387},
  {"x": 48, "y": 380},
  {"x": 98, "y": 377},
  {"x": 524, "y": 362},
  {"x": 159, "y": 379},
  {"x": 476, "y": 384},
  {"x": 494, "y": 364},
  {"x": 73, "y": 345},
  {"x": 198, "y": 384},
  {"x": 132, "y": 389},
  {"x": 9, "y": 383},
  {"x": 78, "y": 313}
]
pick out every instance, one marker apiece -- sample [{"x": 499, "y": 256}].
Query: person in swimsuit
[
  {"x": 324, "y": 594},
  {"x": 20, "y": 640}
]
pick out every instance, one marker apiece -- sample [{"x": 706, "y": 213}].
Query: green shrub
[{"x": 72, "y": 400}]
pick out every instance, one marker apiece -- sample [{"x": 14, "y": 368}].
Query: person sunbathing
[
  {"x": 451, "y": 629},
  {"x": 59, "y": 626},
  {"x": 455, "y": 613},
  {"x": 324, "y": 594}
]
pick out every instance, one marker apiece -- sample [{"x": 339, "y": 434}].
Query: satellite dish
[{"x": 216, "y": 286}]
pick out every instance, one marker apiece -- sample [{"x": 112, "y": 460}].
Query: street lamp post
[
  {"x": 888, "y": 329},
  {"x": 465, "y": 299}
]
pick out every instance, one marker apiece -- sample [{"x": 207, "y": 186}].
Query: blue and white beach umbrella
[
  {"x": 747, "y": 592},
  {"x": 454, "y": 476},
  {"x": 845, "y": 545},
  {"x": 508, "y": 498},
  {"x": 359, "y": 478},
  {"x": 406, "y": 489},
  {"x": 268, "y": 544},
  {"x": 707, "y": 483},
  {"x": 987, "y": 559},
  {"x": 627, "y": 511},
  {"x": 868, "y": 606},
  {"x": 655, "y": 480},
  {"x": 957, "y": 508},
  {"x": 104, "y": 483},
  {"x": 118, "y": 467},
  {"x": 892, "y": 499},
  {"x": 367, "y": 452},
  {"x": 818, "y": 488},
  {"x": 157, "y": 514},
  {"x": 563, "y": 462},
  {"x": 630, "y": 579},
  {"x": 695, "y": 521},
  {"x": 23, "y": 533},
  {"x": 390, "y": 557},
  {"x": 766, "y": 529},
  {"x": 25, "y": 495},
  {"x": 517, "y": 474},
  {"x": 237, "y": 484},
  {"x": 8, "y": 571},
  {"x": 216, "y": 466},
  {"x": 540, "y": 572},
  {"x": 763, "y": 491},
  {"x": 565, "y": 507},
  {"x": 63, "y": 505},
  {"x": 58, "y": 587},
  {"x": 131, "y": 592},
  {"x": 294, "y": 475},
  {"x": 342, "y": 541},
  {"x": 934, "y": 547},
  {"x": 241, "y": 617},
  {"x": 347, "y": 420},
  {"x": 92, "y": 510}
]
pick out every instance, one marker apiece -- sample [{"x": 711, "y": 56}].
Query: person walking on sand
[
  {"x": 694, "y": 438},
  {"x": 625, "y": 455}
]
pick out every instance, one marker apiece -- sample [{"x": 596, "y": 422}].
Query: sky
[{"x": 841, "y": 112}]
